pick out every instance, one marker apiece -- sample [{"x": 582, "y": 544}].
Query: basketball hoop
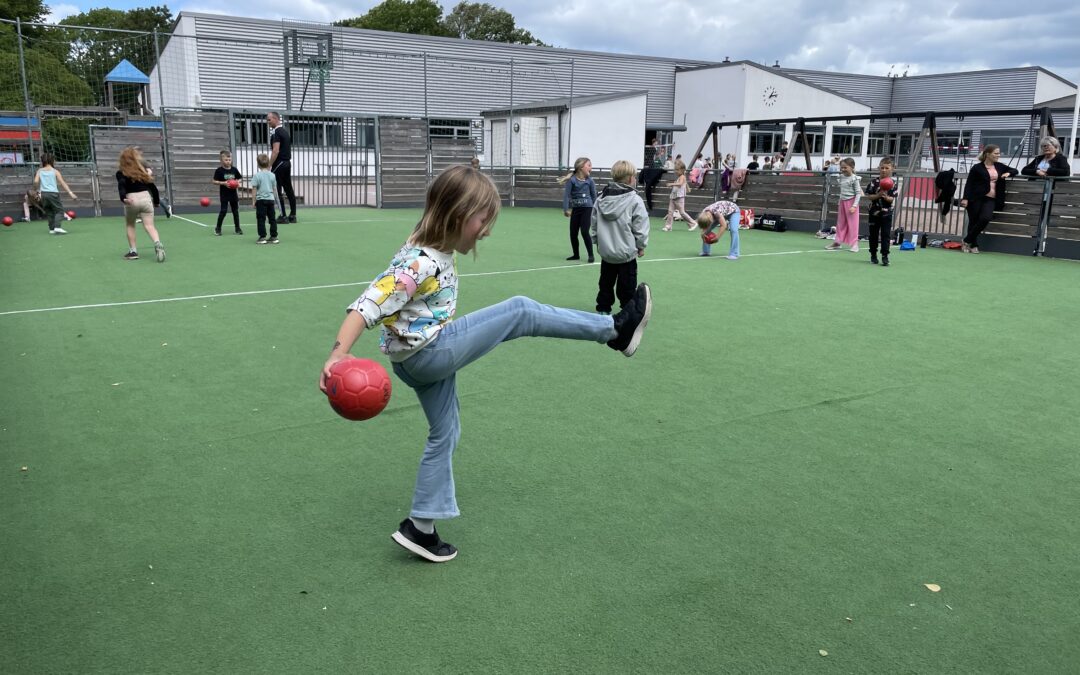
[{"x": 319, "y": 70}]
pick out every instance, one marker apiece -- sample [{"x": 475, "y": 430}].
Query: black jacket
[
  {"x": 978, "y": 183},
  {"x": 1059, "y": 166}
]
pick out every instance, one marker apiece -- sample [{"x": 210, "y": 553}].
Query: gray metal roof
[{"x": 565, "y": 102}]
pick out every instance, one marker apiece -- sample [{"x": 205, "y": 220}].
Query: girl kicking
[{"x": 414, "y": 302}]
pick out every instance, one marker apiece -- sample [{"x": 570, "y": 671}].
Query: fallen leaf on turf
[
  {"x": 933, "y": 587},
  {"x": 911, "y": 605},
  {"x": 848, "y": 618},
  {"x": 25, "y": 468},
  {"x": 822, "y": 652},
  {"x": 948, "y": 606},
  {"x": 117, "y": 384},
  {"x": 164, "y": 344}
]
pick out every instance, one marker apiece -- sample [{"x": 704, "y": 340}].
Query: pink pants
[{"x": 847, "y": 223}]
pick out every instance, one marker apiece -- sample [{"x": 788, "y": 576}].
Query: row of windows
[
  {"x": 329, "y": 133},
  {"x": 768, "y": 139}
]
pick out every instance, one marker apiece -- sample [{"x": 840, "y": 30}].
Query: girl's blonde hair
[
  {"x": 987, "y": 149},
  {"x": 705, "y": 220},
  {"x": 848, "y": 161},
  {"x": 131, "y": 165},
  {"x": 680, "y": 166},
  {"x": 578, "y": 163},
  {"x": 623, "y": 171},
  {"x": 453, "y": 199}
]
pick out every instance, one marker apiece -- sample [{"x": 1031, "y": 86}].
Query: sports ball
[
  {"x": 232, "y": 183},
  {"x": 8, "y": 221},
  {"x": 710, "y": 237},
  {"x": 71, "y": 214},
  {"x": 205, "y": 201},
  {"x": 887, "y": 184},
  {"x": 358, "y": 389}
]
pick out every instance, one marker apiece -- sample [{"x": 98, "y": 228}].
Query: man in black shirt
[{"x": 281, "y": 164}]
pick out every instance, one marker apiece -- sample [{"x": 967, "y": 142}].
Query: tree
[
  {"x": 481, "y": 21},
  {"x": 91, "y": 53},
  {"x": 33, "y": 11},
  {"x": 419, "y": 17}
]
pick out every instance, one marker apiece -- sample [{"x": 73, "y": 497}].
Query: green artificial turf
[{"x": 801, "y": 443}]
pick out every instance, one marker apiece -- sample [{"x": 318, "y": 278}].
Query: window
[
  {"x": 766, "y": 139},
  {"x": 449, "y": 129},
  {"x": 954, "y": 142},
  {"x": 365, "y": 133},
  {"x": 247, "y": 131},
  {"x": 879, "y": 146},
  {"x": 1009, "y": 140},
  {"x": 816, "y": 138},
  {"x": 847, "y": 140}
]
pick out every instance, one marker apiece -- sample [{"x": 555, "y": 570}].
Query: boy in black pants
[
  {"x": 228, "y": 195},
  {"x": 881, "y": 211},
  {"x": 620, "y": 230},
  {"x": 264, "y": 184}
]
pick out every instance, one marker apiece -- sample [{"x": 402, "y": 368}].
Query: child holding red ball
[
  {"x": 725, "y": 215},
  {"x": 882, "y": 192},
  {"x": 229, "y": 198}
]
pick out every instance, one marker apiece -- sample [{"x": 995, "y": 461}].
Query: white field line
[{"x": 234, "y": 294}]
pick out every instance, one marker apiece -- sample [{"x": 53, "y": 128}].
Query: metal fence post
[
  {"x": 510, "y": 135},
  {"x": 164, "y": 124},
  {"x": 378, "y": 165},
  {"x": 26, "y": 98},
  {"x": 826, "y": 190}
]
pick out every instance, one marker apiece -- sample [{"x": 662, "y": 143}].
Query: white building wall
[
  {"x": 1048, "y": 88},
  {"x": 606, "y": 132},
  {"x": 706, "y": 96},
  {"x": 743, "y": 92},
  {"x": 179, "y": 65}
]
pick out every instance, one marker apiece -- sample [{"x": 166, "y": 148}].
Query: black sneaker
[
  {"x": 884, "y": 261},
  {"x": 238, "y": 231},
  {"x": 262, "y": 240},
  {"x": 873, "y": 260},
  {"x": 292, "y": 219},
  {"x": 574, "y": 257},
  {"x": 275, "y": 240},
  {"x": 631, "y": 320},
  {"x": 427, "y": 546},
  {"x": 131, "y": 255},
  {"x": 217, "y": 232}
]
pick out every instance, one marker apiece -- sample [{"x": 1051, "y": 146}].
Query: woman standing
[
  {"x": 1052, "y": 163},
  {"x": 984, "y": 193},
  {"x": 140, "y": 196}
]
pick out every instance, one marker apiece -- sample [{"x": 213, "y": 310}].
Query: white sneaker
[
  {"x": 854, "y": 248},
  {"x": 58, "y": 230},
  {"x": 732, "y": 257}
]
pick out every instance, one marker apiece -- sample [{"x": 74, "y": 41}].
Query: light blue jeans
[
  {"x": 431, "y": 373},
  {"x": 733, "y": 228}
]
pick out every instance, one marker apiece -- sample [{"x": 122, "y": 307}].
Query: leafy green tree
[
  {"x": 91, "y": 54},
  {"x": 33, "y": 11},
  {"x": 482, "y": 21},
  {"x": 419, "y": 17}
]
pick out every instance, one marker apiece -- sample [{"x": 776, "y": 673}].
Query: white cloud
[{"x": 60, "y": 12}]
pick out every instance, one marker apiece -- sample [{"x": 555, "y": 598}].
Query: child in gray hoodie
[{"x": 620, "y": 229}]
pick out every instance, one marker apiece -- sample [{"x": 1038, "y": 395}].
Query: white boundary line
[
  {"x": 189, "y": 220},
  {"x": 234, "y": 294}
]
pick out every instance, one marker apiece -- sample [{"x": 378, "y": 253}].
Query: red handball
[
  {"x": 71, "y": 214},
  {"x": 358, "y": 389},
  {"x": 886, "y": 184},
  {"x": 205, "y": 201},
  {"x": 232, "y": 183},
  {"x": 710, "y": 237},
  {"x": 8, "y": 221}
]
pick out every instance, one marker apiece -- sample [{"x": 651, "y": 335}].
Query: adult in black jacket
[
  {"x": 984, "y": 193},
  {"x": 1052, "y": 162}
]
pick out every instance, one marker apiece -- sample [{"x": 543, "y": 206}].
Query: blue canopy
[{"x": 125, "y": 72}]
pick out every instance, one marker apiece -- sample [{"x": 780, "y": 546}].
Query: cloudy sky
[{"x": 917, "y": 36}]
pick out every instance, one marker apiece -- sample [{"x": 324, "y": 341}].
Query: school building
[{"x": 540, "y": 106}]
